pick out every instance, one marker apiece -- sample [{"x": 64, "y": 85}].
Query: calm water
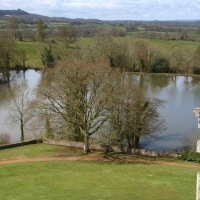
[{"x": 181, "y": 93}]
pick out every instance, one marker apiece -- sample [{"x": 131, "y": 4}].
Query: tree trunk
[
  {"x": 130, "y": 146},
  {"x": 22, "y": 130},
  {"x": 48, "y": 130},
  {"x": 86, "y": 148},
  {"x": 136, "y": 141}
]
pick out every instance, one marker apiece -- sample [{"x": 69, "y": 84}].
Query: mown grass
[
  {"x": 33, "y": 151},
  {"x": 87, "y": 180},
  {"x": 90, "y": 180}
]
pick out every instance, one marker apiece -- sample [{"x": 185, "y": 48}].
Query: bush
[
  {"x": 160, "y": 65},
  {"x": 4, "y": 138},
  {"x": 191, "y": 156},
  {"x": 196, "y": 70}
]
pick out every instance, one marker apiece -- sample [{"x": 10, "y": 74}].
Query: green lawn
[
  {"x": 33, "y": 151},
  {"x": 65, "y": 180},
  {"x": 87, "y": 180}
]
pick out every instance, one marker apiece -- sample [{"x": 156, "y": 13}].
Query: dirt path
[{"x": 95, "y": 158}]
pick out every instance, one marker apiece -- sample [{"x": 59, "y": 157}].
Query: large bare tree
[
  {"x": 40, "y": 34},
  {"x": 12, "y": 24},
  {"x": 77, "y": 93},
  {"x": 20, "y": 107}
]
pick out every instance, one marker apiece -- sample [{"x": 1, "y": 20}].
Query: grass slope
[{"x": 90, "y": 180}]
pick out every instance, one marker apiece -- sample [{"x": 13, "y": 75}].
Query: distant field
[
  {"x": 33, "y": 49},
  {"x": 165, "y": 44},
  {"x": 90, "y": 180}
]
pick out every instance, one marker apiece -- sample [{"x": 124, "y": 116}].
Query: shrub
[
  {"x": 191, "y": 156},
  {"x": 196, "y": 70},
  {"x": 4, "y": 138},
  {"x": 161, "y": 65}
]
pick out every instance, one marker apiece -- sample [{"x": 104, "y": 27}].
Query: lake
[{"x": 181, "y": 94}]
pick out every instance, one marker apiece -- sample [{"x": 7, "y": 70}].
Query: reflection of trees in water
[
  {"x": 154, "y": 81},
  {"x": 159, "y": 81},
  {"x": 187, "y": 80},
  {"x": 9, "y": 76},
  {"x": 195, "y": 80},
  {"x": 4, "y": 73},
  {"x": 6, "y": 79}
]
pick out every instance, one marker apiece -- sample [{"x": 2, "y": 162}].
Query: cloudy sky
[{"x": 110, "y": 9}]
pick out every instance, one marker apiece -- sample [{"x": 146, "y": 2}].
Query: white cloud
[{"x": 110, "y": 9}]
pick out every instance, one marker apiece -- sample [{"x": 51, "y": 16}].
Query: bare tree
[
  {"x": 7, "y": 55},
  {"x": 68, "y": 34},
  {"x": 133, "y": 116},
  {"x": 40, "y": 34},
  {"x": 102, "y": 45},
  {"x": 7, "y": 52},
  {"x": 188, "y": 55},
  {"x": 19, "y": 106},
  {"x": 142, "y": 54},
  {"x": 12, "y": 24},
  {"x": 77, "y": 93}
]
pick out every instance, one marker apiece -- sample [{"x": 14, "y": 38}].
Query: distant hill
[
  {"x": 17, "y": 12},
  {"x": 20, "y": 14},
  {"x": 80, "y": 21}
]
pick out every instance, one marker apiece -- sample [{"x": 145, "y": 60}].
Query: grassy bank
[{"x": 90, "y": 180}]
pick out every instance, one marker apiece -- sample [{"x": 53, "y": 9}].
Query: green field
[
  {"x": 165, "y": 44},
  {"x": 90, "y": 180},
  {"x": 32, "y": 50}
]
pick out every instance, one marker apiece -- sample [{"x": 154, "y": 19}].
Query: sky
[{"x": 109, "y": 9}]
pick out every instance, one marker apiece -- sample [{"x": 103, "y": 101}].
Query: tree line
[{"x": 139, "y": 56}]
